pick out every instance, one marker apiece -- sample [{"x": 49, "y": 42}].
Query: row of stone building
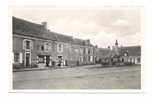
[{"x": 35, "y": 45}]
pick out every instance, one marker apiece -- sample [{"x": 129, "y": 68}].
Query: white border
[
  {"x": 6, "y": 52},
  {"x": 93, "y": 90}
]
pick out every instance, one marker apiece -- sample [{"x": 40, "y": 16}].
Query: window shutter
[
  {"x": 24, "y": 45},
  {"x": 31, "y": 45},
  {"x": 44, "y": 47},
  {"x": 58, "y": 48},
  {"x": 20, "y": 57},
  {"x": 50, "y": 46}
]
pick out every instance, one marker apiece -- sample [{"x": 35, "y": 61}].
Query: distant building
[
  {"x": 128, "y": 54},
  {"x": 131, "y": 54},
  {"x": 123, "y": 55},
  {"x": 102, "y": 53},
  {"x": 34, "y": 45}
]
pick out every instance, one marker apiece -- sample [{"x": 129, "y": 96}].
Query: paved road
[{"x": 84, "y": 77}]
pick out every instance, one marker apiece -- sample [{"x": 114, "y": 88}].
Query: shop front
[{"x": 44, "y": 60}]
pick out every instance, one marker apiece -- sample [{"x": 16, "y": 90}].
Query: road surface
[{"x": 84, "y": 77}]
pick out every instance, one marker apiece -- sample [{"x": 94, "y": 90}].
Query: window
[
  {"x": 92, "y": 51},
  {"x": 84, "y": 58},
  {"x": 60, "y": 48},
  {"x": 86, "y": 50},
  {"x": 42, "y": 48},
  {"x": 16, "y": 57},
  {"x": 126, "y": 54},
  {"x": 38, "y": 47},
  {"x": 47, "y": 47},
  {"x": 76, "y": 50},
  {"x": 81, "y": 58},
  {"x": 27, "y": 44},
  {"x": 81, "y": 51},
  {"x": 138, "y": 60},
  {"x": 122, "y": 60},
  {"x": 91, "y": 58},
  {"x": 41, "y": 59}
]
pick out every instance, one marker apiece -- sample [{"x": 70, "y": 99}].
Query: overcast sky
[{"x": 101, "y": 25}]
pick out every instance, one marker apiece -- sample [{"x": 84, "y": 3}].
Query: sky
[{"x": 103, "y": 26}]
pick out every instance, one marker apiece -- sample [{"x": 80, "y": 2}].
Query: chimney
[
  {"x": 109, "y": 47},
  {"x": 44, "y": 24},
  {"x": 96, "y": 46}
]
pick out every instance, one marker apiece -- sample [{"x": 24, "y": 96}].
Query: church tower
[
  {"x": 116, "y": 43},
  {"x": 116, "y": 48}
]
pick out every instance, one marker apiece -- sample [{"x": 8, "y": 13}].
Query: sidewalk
[
  {"x": 40, "y": 68},
  {"x": 30, "y": 69},
  {"x": 48, "y": 68}
]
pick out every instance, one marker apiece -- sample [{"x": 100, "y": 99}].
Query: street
[{"x": 83, "y": 77}]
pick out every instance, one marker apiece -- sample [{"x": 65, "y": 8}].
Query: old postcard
[{"x": 76, "y": 48}]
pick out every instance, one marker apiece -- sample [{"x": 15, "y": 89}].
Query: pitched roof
[
  {"x": 78, "y": 41},
  {"x": 27, "y": 28},
  {"x": 131, "y": 50},
  {"x": 103, "y": 52},
  {"x": 23, "y": 27},
  {"x": 63, "y": 38}
]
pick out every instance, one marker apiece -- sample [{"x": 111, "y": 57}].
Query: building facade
[
  {"x": 118, "y": 55},
  {"x": 131, "y": 54},
  {"x": 35, "y": 46}
]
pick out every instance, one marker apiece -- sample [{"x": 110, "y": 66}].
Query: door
[
  {"x": 47, "y": 61},
  {"x": 59, "y": 60},
  {"x": 27, "y": 59}
]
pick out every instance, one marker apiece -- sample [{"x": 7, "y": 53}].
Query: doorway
[
  {"x": 60, "y": 58},
  {"x": 27, "y": 59},
  {"x": 47, "y": 61}
]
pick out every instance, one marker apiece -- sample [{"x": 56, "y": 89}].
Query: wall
[{"x": 71, "y": 53}]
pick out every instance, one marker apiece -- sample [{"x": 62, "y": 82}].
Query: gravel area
[{"x": 84, "y": 77}]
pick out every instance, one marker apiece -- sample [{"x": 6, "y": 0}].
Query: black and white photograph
[{"x": 76, "y": 48}]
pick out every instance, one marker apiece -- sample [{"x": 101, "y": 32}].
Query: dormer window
[{"x": 27, "y": 44}]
